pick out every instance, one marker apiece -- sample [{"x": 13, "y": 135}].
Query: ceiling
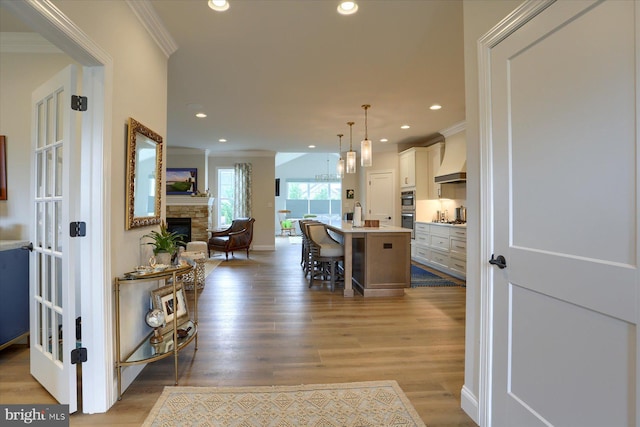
[{"x": 281, "y": 75}]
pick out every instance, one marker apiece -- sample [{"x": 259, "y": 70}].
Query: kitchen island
[{"x": 377, "y": 260}]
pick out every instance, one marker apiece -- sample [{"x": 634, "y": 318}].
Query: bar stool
[
  {"x": 305, "y": 256},
  {"x": 325, "y": 254}
]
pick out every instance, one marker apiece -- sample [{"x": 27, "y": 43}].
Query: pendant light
[
  {"x": 351, "y": 155},
  {"x": 340, "y": 166},
  {"x": 366, "y": 153}
]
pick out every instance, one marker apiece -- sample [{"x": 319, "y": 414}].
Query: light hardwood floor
[{"x": 260, "y": 324}]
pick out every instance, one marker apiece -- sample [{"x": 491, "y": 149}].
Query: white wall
[
  {"x": 139, "y": 90},
  {"x": 16, "y": 86},
  {"x": 263, "y": 193},
  {"x": 479, "y": 17}
]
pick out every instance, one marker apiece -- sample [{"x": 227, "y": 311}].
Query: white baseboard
[{"x": 469, "y": 404}]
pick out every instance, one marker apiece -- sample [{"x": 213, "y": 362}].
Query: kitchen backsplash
[{"x": 454, "y": 196}]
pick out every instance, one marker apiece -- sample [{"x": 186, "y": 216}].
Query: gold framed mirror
[{"x": 144, "y": 175}]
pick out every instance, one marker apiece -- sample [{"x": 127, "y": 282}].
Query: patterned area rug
[
  {"x": 420, "y": 277},
  {"x": 376, "y": 403}
]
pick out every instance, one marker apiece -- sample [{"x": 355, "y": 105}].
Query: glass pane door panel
[
  {"x": 48, "y": 220},
  {"x": 58, "y": 172},
  {"x": 48, "y": 173},
  {"x": 60, "y": 117},
  {"x": 59, "y": 229},
  {"x": 40, "y": 275},
  {"x": 50, "y": 121},
  {"x": 58, "y": 283},
  {"x": 46, "y": 328},
  {"x": 47, "y": 278},
  {"x": 57, "y": 338},
  {"x": 39, "y": 226}
]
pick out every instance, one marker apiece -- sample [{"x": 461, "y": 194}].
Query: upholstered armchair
[{"x": 238, "y": 236}]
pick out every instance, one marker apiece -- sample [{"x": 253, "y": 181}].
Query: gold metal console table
[{"x": 146, "y": 352}]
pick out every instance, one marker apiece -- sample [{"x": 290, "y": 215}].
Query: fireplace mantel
[{"x": 189, "y": 201}]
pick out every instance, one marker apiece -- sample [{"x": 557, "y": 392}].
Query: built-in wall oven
[
  {"x": 408, "y": 210},
  {"x": 408, "y": 200}
]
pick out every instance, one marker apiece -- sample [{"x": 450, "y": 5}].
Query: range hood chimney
[{"x": 454, "y": 163}]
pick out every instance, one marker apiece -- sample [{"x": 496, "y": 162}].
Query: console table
[{"x": 146, "y": 352}]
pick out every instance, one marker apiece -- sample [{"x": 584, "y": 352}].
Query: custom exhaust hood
[{"x": 454, "y": 163}]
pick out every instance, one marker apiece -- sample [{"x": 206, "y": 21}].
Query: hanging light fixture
[
  {"x": 366, "y": 152},
  {"x": 218, "y": 5},
  {"x": 351, "y": 155},
  {"x": 340, "y": 166}
]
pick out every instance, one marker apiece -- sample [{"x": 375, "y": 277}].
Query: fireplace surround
[{"x": 194, "y": 208}]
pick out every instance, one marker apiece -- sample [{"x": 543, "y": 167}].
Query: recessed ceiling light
[
  {"x": 201, "y": 115},
  {"x": 218, "y": 5},
  {"x": 384, "y": 140},
  {"x": 435, "y": 107},
  {"x": 312, "y": 146},
  {"x": 405, "y": 127},
  {"x": 347, "y": 7},
  {"x": 222, "y": 140}
]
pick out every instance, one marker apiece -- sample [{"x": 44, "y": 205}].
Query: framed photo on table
[{"x": 173, "y": 310}]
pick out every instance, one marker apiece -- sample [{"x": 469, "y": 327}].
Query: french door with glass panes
[{"x": 52, "y": 279}]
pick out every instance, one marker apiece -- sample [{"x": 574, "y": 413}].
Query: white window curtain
[{"x": 242, "y": 206}]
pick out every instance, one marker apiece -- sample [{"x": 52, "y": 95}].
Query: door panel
[
  {"x": 553, "y": 358},
  {"x": 52, "y": 283},
  {"x": 565, "y": 184},
  {"x": 382, "y": 197}
]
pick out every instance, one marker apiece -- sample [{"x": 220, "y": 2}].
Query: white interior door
[
  {"x": 52, "y": 280},
  {"x": 564, "y": 116},
  {"x": 381, "y": 196}
]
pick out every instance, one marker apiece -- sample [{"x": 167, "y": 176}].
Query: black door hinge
[
  {"x": 78, "y": 355},
  {"x": 78, "y": 229},
  {"x": 78, "y": 103}
]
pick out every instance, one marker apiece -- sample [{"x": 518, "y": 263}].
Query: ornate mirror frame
[{"x": 144, "y": 175}]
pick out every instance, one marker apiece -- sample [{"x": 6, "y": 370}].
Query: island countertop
[
  {"x": 377, "y": 260},
  {"x": 347, "y": 227}
]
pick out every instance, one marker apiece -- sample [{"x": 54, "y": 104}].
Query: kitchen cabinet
[
  {"x": 418, "y": 168},
  {"x": 441, "y": 246},
  {"x": 435, "y": 154},
  {"x": 408, "y": 160}
]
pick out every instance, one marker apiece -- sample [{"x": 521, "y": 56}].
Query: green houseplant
[{"x": 165, "y": 241}]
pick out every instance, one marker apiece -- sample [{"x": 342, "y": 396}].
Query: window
[
  {"x": 321, "y": 198},
  {"x": 226, "y": 177}
]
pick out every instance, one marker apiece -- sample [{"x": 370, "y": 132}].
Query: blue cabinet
[{"x": 14, "y": 293}]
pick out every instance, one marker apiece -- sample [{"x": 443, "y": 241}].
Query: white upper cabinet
[{"x": 418, "y": 167}]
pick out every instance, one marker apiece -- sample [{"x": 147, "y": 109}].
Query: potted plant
[{"x": 165, "y": 242}]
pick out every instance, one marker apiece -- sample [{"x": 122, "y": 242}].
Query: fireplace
[{"x": 180, "y": 226}]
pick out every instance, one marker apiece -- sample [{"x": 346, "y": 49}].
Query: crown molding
[
  {"x": 452, "y": 130},
  {"x": 25, "y": 43},
  {"x": 146, "y": 14}
]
